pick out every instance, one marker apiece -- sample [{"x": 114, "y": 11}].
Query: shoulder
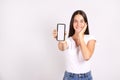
[{"x": 89, "y": 37}]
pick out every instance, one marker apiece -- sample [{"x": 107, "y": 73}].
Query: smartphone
[{"x": 61, "y": 31}]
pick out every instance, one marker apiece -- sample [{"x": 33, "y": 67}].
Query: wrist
[{"x": 81, "y": 36}]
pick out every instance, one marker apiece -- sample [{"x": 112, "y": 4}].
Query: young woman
[{"x": 78, "y": 48}]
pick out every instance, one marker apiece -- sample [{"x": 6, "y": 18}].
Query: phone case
[{"x": 61, "y": 31}]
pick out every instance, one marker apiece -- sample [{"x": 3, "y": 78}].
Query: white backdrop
[{"x": 28, "y": 51}]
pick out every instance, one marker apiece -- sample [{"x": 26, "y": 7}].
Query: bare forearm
[
  {"x": 84, "y": 49},
  {"x": 62, "y": 45}
]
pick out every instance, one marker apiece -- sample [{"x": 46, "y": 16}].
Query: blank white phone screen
[{"x": 61, "y": 32}]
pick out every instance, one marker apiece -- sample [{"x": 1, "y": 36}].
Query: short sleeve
[{"x": 91, "y": 38}]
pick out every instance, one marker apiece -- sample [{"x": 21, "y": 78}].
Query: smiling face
[{"x": 78, "y": 23}]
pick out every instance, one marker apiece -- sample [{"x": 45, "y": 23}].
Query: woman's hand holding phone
[
  {"x": 54, "y": 33},
  {"x": 59, "y": 35}
]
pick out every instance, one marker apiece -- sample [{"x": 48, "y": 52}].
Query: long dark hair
[{"x": 71, "y": 29}]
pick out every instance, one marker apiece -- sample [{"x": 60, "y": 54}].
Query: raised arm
[{"x": 87, "y": 49}]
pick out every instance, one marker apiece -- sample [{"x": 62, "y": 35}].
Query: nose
[{"x": 79, "y": 24}]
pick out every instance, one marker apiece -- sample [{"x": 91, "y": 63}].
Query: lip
[{"x": 78, "y": 28}]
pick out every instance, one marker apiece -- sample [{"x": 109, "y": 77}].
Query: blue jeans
[{"x": 73, "y": 76}]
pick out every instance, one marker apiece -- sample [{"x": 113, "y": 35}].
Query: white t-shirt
[{"x": 74, "y": 59}]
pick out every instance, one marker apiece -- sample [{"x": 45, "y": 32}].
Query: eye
[
  {"x": 75, "y": 21},
  {"x": 81, "y": 21}
]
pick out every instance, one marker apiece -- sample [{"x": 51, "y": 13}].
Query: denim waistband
[{"x": 78, "y": 75}]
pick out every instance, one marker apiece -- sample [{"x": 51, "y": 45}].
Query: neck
[{"x": 77, "y": 36}]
